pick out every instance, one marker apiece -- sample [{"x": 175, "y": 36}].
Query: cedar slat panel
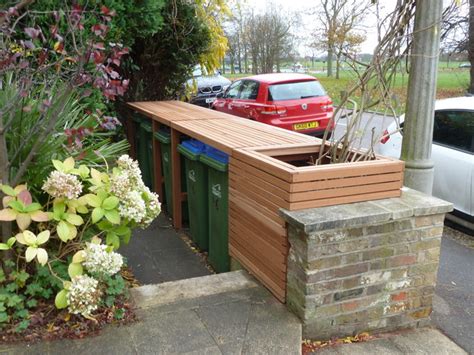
[
  {"x": 295, "y": 136},
  {"x": 344, "y": 191},
  {"x": 303, "y": 187},
  {"x": 265, "y": 198},
  {"x": 274, "y": 259},
  {"x": 278, "y": 290},
  {"x": 236, "y": 164},
  {"x": 238, "y": 196},
  {"x": 271, "y": 167},
  {"x": 242, "y": 178},
  {"x": 261, "y": 137},
  {"x": 347, "y": 170},
  {"x": 345, "y": 199},
  {"x": 226, "y": 132},
  {"x": 277, "y": 238}
]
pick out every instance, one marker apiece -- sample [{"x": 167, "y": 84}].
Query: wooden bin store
[{"x": 268, "y": 171}]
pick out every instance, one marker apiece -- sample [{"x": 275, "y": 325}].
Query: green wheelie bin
[
  {"x": 164, "y": 137},
  {"x": 137, "y": 120},
  {"x": 165, "y": 143},
  {"x": 196, "y": 186},
  {"x": 218, "y": 200},
  {"x": 146, "y": 152}
]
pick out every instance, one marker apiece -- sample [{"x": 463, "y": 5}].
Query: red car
[{"x": 296, "y": 102}]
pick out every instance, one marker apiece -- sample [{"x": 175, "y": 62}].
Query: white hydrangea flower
[
  {"x": 84, "y": 295},
  {"x": 99, "y": 260},
  {"x": 60, "y": 185},
  {"x": 132, "y": 170},
  {"x": 120, "y": 184},
  {"x": 133, "y": 207},
  {"x": 153, "y": 207},
  {"x": 137, "y": 202}
]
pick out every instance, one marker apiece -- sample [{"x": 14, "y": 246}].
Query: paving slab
[
  {"x": 226, "y": 314},
  {"x": 423, "y": 341},
  {"x": 159, "y": 254}
]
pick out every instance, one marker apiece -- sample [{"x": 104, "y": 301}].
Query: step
[{"x": 232, "y": 310}]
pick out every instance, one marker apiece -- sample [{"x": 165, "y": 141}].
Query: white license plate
[{"x": 210, "y": 100}]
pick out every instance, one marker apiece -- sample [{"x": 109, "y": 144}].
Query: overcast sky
[{"x": 305, "y": 9}]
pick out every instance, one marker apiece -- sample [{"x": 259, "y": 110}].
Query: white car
[{"x": 452, "y": 153}]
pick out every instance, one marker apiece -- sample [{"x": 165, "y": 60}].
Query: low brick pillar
[{"x": 367, "y": 266}]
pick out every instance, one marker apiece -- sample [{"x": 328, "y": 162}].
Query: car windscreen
[{"x": 295, "y": 90}]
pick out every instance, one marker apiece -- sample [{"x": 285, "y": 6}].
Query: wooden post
[
  {"x": 130, "y": 130},
  {"x": 157, "y": 171},
  {"x": 176, "y": 179}
]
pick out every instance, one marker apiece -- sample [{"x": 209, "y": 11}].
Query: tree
[
  {"x": 235, "y": 34},
  {"x": 211, "y": 14},
  {"x": 457, "y": 33},
  {"x": 471, "y": 44},
  {"x": 341, "y": 19},
  {"x": 268, "y": 38},
  {"x": 233, "y": 45},
  {"x": 163, "y": 62},
  {"x": 346, "y": 43}
]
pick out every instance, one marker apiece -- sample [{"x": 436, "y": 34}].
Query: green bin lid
[
  {"x": 213, "y": 163},
  {"x": 163, "y": 137},
  {"x": 146, "y": 126},
  {"x": 137, "y": 119},
  {"x": 189, "y": 154}
]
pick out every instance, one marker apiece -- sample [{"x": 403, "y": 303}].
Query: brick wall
[{"x": 367, "y": 266}]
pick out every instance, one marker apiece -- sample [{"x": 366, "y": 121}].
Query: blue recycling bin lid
[
  {"x": 194, "y": 146},
  {"x": 216, "y": 154}
]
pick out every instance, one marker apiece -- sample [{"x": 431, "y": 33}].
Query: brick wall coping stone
[{"x": 411, "y": 203}]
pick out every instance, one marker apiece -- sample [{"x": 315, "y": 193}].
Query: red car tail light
[
  {"x": 327, "y": 106},
  {"x": 273, "y": 110},
  {"x": 385, "y": 138}
]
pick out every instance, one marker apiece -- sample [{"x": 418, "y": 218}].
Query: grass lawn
[{"x": 452, "y": 81}]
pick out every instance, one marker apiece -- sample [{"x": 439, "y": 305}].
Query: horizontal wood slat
[
  {"x": 273, "y": 259},
  {"x": 278, "y": 289}
]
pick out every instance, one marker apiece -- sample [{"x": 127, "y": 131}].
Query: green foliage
[
  {"x": 165, "y": 60},
  {"x": 21, "y": 292},
  {"x": 92, "y": 146},
  {"x": 14, "y": 304},
  {"x": 114, "y": 287},
  {"x": 132, "y": 20},
  {"x": 63, "y": 250}
]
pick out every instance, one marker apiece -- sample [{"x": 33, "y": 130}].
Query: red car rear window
[{"x": 295, "y": 90}]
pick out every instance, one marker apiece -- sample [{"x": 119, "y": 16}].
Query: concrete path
[
  {"x": 158, "y": 254},
  {"x": 419, "y": 341},
  {"x": 454, "y": 299},
  {"x": 218, "y": 314}
]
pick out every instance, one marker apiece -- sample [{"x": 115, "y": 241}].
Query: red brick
[
  {"x": 350, "y": 306},
  {"x": 422, "y": 313},
  {"x": 351, "y": 270},
  {"x": 402, "y": 260},
  {"x": 402, "y": 296}
]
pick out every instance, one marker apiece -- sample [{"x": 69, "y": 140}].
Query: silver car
[{"x": 453, "y": 155}]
